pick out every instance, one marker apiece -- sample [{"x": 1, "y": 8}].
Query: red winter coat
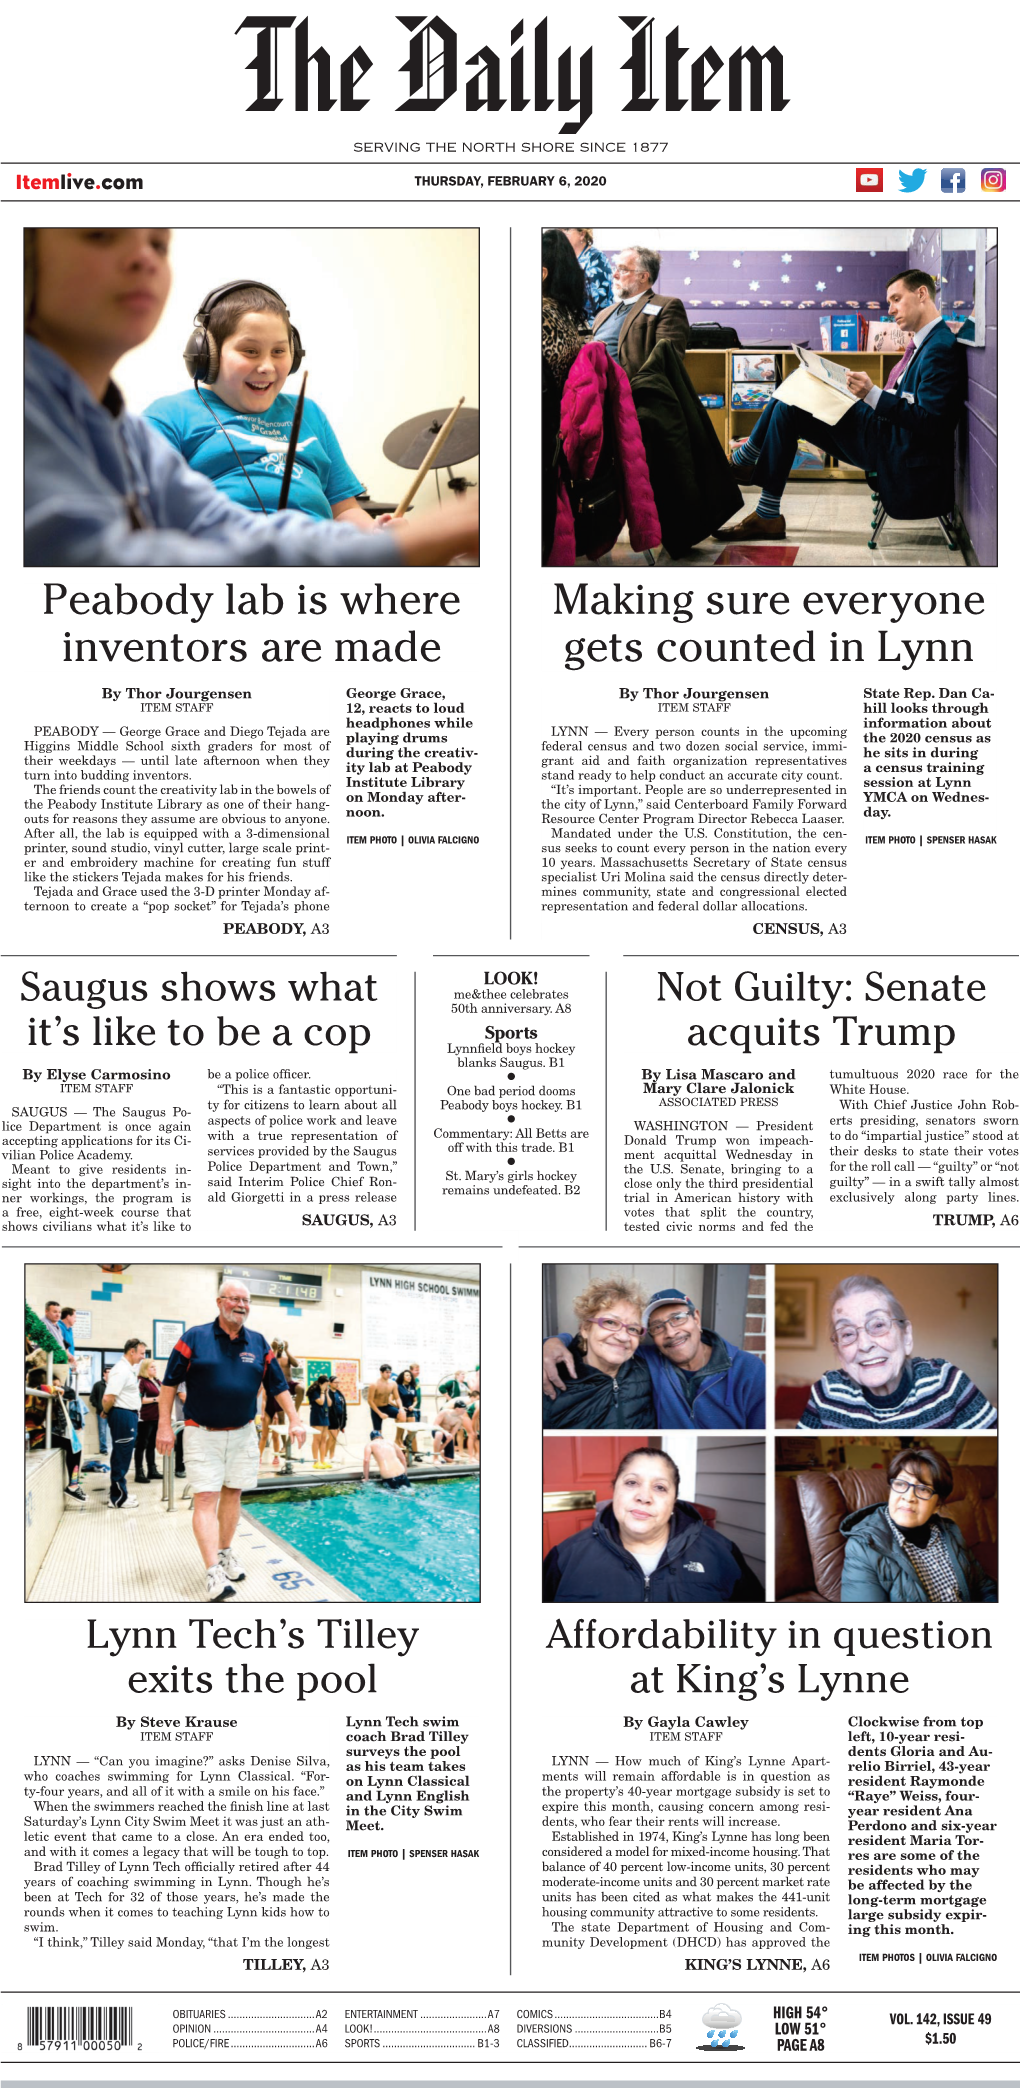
[{"x": 596, "y": 386}]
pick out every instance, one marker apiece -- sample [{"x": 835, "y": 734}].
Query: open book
[
  {"x": 826, "y": 372},
  {"x": 820, "y": 386}
]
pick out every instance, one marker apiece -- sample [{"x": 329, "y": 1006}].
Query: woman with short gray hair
[{"x": 879, "y": 1382}]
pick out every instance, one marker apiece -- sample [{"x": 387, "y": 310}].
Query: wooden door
[{"x": 573, "y": 1466}]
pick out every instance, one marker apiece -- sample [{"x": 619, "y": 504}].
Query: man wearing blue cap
[{"x": 698, "y": 1379}]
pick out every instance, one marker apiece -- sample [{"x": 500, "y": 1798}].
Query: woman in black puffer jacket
[{"x": 646, "y": 1545}]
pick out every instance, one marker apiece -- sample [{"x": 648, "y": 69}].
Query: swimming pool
[{"x": 418, "y": 1545}]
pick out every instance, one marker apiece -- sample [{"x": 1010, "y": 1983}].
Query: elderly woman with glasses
[
  {"x": 902, "y": 1550},
  {"x": 879, "y": 1382},
  {"x": 605, "y": 1383}
]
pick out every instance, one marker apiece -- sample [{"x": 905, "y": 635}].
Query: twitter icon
[{"x": 910, "y": 182}]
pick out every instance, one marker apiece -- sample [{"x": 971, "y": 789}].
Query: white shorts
[{"x": 218, "y": 1457}]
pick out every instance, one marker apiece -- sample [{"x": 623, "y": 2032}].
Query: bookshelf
[{"x": 710, "y": 370}]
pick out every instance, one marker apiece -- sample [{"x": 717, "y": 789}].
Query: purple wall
[
  {"x": 977, "y": 441},
  {"x": 925, "y": 251},
  {"x": 776, "y": 294}
]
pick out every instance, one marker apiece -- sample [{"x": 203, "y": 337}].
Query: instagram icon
[{"x": 993, "y": 178}]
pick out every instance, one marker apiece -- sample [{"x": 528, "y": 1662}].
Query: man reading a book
[{"x": 903, "y": 436}]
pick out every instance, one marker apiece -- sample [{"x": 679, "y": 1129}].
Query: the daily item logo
[
  {"x": 528, "y": 73},
  {"x": 869, "y": 181}
]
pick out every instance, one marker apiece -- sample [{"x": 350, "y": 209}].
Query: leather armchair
[{"x": 810, "y": 1506}]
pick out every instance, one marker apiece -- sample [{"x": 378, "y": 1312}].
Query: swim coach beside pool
[{"x": 221, "y": 1369}]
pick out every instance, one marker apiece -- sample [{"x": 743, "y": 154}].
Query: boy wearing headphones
[
  {"x": 102, "y": 488},
  {"x": 235, "y": 425}
]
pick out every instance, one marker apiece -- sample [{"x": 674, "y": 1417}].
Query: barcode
[{"x": 100, "y": 2024}]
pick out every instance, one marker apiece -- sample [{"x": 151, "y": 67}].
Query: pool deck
[{"x": 148, "y": 1553}]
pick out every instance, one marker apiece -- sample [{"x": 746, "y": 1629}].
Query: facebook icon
[{"x": 954, "y": 181}]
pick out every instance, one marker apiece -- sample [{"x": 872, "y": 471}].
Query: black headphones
[{"x": 197, "y": 353}]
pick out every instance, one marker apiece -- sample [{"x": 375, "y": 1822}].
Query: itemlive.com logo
[{"x": 79, "y": 181}]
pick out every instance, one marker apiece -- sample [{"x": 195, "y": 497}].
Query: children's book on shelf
[
  {"x": 885, "y": 334},
  {"x": 847, "y": 332},
  {"x": 809, "y": 457},
  {"x": 751, "y": 398},
  {"x": 754, "y": 369}
]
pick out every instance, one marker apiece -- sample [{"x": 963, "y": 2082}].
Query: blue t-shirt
[
  {"x": 321, "y": 475},
  {"x": 222, "y": 1374}
]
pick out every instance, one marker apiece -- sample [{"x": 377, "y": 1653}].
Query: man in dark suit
[
  {"x": 904, "y": 436},
  {"x": 638, "y": 320}
]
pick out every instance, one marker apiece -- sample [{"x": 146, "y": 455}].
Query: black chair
[{"x": 880, "y": 515}]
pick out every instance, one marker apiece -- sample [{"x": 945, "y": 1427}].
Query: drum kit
[{"x": 416, "y": 445}]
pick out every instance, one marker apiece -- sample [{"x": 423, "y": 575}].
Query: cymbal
[{"x": 409, "y": 444}]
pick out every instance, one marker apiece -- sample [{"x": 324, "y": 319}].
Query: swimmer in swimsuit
[
  {"x": 391, "y": 1460},
  {"x": 382, "y": 1398}
]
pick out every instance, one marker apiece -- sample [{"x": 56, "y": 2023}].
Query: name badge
[{"x": 652, "y": 311}]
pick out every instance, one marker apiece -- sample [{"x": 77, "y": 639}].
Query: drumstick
[
  {"x": 403, "y": 504},
  {"x": 292, "y": 444}
]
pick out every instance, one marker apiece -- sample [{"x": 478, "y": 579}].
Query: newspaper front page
[{"x": 510, "y": 881}]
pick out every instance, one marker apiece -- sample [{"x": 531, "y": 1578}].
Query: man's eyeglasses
[
  {"x": 880, "y": 1324},
  {"x": 673, "y": 1323},
  {"x": 903, "y": 1487},
  {"x": 615, "y": 1326}
]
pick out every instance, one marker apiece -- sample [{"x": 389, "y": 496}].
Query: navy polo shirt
[{"x": 223, "y": 1374}]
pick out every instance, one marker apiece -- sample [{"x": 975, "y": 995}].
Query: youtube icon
[{"x": 869, "y": 181}]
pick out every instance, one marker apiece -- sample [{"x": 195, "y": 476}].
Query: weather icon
[{"x": 722, "y": 2021}]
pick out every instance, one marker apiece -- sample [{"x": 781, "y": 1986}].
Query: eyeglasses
[
  {"x": 880, "y": 1324},
  {"x": 673, "y": 1323},
  {"x": 910, "y": 1486},
  {"x": 615, "y": 1326}
]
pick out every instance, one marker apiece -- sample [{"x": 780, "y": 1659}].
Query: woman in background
[
  {"x": 563, "y": 296},
  {"x": 148, "y": 1422},
  {"x": 271, "y": 1421},
  {"x": 319, "y": 1404},
  {"x": 598, "y": 274}
]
